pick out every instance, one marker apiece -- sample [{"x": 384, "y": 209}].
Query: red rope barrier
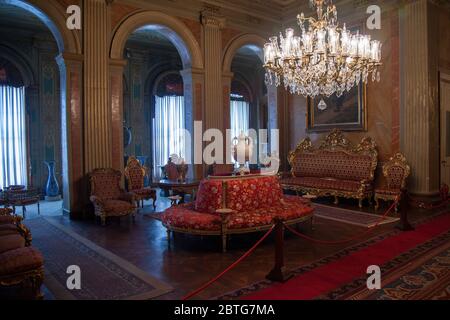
[
  {"x": 346, "y": 240},
  {"x": 232, "y": 266}
]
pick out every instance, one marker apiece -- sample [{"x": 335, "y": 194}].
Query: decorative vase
[
  {"x": 52, "y": 187},
  {"x": 242, "y": 148}
]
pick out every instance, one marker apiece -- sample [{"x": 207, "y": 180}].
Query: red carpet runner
[{"x": 338, "y": 273}]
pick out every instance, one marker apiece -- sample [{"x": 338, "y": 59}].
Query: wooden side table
[
  {"x": 23, "y": 198},
  {"x": 181, "y": 188}
]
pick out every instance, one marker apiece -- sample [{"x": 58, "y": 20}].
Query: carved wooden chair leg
[
  {"x": 377, "y": 203},
  {"x": 36, "y": 284},
  {"x": 360, "y": 204}
]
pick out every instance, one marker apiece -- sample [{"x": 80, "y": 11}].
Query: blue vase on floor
[{"x": 52, "y": 187}]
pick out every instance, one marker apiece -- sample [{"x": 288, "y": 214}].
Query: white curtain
[
  {"x": 13, "y": 157},
  {"x": 168, "y": 124},
  {"x": 239, "y": 117}
]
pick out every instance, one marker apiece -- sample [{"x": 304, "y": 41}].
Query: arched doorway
[
  {"x": 166, "y": 29},
  {"x": 154, "y": 107},
  {"x": 49, "y": 80},
  {"x": 243, "y": 71}
]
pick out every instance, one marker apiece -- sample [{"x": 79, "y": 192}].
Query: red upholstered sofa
[
  {"x": 20, "y": 264},
  {"x": 336, "y": 168},
  {"x": 255, "y": 202}
]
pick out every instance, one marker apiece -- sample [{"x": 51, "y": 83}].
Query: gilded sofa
[
  {"x": 20, "y": 264},
  {"x": 335, "y": 168},
  {"x": 253, "y": 203}
]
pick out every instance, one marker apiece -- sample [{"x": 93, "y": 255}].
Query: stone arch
[
  {"x": 53, "y": 16},
  {"x": 183, "y": 40},
  {"x": 20, "y": 62},
  {"x": 256, "y": 43},
  {"x": 251, "y": 40},
  {"x": 175, "y": 30}
]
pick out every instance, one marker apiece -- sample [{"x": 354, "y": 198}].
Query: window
[
  {"x": 168, "y": 123},
  {"x": 13, "y": 157},
  {"x": 239, "y": 117}
]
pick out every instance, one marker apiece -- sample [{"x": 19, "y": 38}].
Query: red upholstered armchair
[
  {"x": 109, "y": 199},
  {"x": 135, "y": 174}
]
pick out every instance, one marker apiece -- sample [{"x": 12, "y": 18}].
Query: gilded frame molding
[{"x": 362, "y": 125}]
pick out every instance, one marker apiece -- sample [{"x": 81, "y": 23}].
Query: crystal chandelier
[{"x": 325, "y": 58}]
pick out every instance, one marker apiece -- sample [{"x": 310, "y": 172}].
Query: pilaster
[
  {"x": 419, "y": 106},
  {"x": 97, "y": 112},
  {"x": 214, "y": 111}
]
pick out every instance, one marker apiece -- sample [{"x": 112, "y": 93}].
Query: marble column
[
  {"x": 193, "y": 82},
  {"x": 227, "y": 78},
  {"x": 214, "y": 113},
  {"x": 74, "y": 181},
  {"x": 419, "y": 96},
  {"x": 116, "y": 69},
  {"x": 273, "y": 125},
  {"x": 97, "y": 112}
]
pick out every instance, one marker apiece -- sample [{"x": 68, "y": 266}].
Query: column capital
[
  {"x": 190, "y": 71},
  {"x": 227, "y": 75},
  {"x": 69, "y": 57},
  {"x": 212, "y": 19},
  {"x": 118, "y": 62}
]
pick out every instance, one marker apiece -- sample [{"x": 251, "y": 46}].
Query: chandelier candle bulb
[{"x": 324, "y": 59}]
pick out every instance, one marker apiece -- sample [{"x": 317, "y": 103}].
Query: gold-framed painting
[{"x": 347, "y": 113}]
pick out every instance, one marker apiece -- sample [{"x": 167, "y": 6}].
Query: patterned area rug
[
  {"x": 419, "y": 274},
  {"x": 104, "y": 276},
  {"x": 352, "y": 217},
  {"x": 418, "y": 268}
]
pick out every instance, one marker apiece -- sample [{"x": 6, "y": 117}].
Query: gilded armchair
[
  {"x": 395, "y": 173},
  {"x": 135, "y": 174},
  {"x": 108, "y": 198}
]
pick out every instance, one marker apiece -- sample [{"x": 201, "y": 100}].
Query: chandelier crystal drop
[{"x": 325, "y": 58}]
